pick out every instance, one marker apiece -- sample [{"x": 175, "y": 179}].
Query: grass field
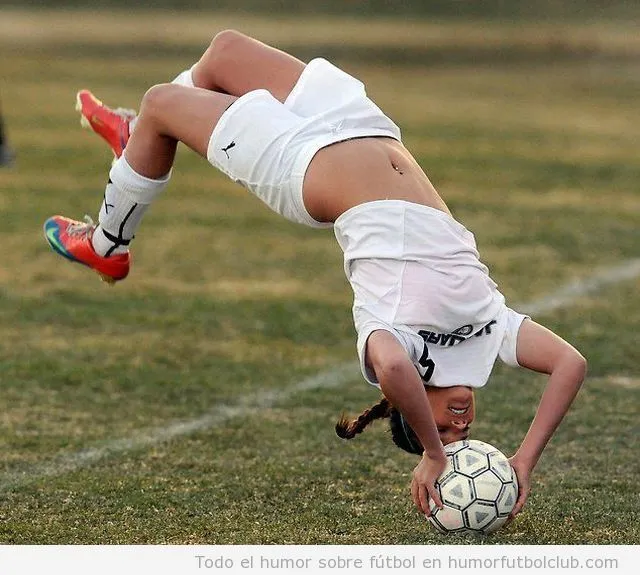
[{"x": 195, "y": 402}]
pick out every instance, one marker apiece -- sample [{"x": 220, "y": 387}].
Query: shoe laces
[{"x": 82, "y": 228}]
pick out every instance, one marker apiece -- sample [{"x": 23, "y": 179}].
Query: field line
[
  {"x": 572, "y": 291},
  {"x": 334, "y": 377},
  {"x": 618, "y": 381},
  {"x": 246, "y": 405}
]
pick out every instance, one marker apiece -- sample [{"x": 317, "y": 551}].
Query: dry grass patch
[
  {"x": 101, "y": 27},
  {"x": 503, "y": 99},
  {"x": 626, "y": 381}
]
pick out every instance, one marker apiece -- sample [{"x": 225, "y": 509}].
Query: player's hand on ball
[
  {"x": 523, "y": 473},
  {"x": 423, "y": 484}
]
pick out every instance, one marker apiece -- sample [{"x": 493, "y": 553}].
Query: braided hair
[
  {"x": 401, "y": 433},
  {"x": 349, "y": 429}
]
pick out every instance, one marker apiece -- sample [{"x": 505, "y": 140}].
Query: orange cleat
[
  {"x": 72, "y": 240},
  {"x": 111, "y": 125}
]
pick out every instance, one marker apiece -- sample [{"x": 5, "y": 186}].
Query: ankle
[{"x": 106, "y": 244}]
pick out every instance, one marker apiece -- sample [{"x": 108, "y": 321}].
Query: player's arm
[
  {"x": 539, "y": 349},
  {"x": 401, "y": 384}
]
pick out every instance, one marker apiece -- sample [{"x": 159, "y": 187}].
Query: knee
[
  {"x": 225, "y": 42},
  {"x": 156, "y": 100},
  {"x": 219, "y": 60}
]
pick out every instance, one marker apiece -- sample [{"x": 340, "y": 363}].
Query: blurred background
[{"x": 539, "y": 9}]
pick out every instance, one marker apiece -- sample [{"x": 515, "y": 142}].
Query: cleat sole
[{"x": 106, "y": 279}]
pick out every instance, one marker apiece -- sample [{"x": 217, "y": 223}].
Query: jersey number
[{"x": 428, "y": 364}]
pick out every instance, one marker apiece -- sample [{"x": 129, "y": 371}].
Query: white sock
[
  {"x": 126, "y": 199},
  {"x": 185, "y": 78}
]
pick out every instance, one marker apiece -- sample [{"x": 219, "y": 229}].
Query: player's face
[{"x": 453, "y": 410}]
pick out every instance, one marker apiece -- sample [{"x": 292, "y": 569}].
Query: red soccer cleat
[
  {"x": 111, "y": 125},
  {"x": 72, "y": 240}
]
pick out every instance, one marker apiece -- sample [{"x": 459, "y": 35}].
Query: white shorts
[{"x": 267, "y": 146}]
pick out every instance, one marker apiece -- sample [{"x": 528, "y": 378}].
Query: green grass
[{"x": 227, "y": 301}]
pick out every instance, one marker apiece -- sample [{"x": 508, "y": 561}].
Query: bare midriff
[{"x": 353, "y": 172}]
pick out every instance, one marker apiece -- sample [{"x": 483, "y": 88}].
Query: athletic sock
[
  {"x": 132, "y": 124},
  {"x": 126, "y": 198}
]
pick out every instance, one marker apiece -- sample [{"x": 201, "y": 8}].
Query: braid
[{"x": 348, "y": 429}]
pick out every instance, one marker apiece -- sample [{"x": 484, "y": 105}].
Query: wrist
[
  {"x": 527, "y": 459},
  {"x": 436, "y": 454}
]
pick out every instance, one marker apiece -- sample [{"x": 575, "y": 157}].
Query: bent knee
[
  {"x": 158, "y": 98},
  {"x": 226, "y": 41}
]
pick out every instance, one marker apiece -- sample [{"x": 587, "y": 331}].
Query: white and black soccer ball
[{"x": 478, "y": 488}]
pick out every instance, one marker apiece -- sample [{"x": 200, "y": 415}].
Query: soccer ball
[{"x": 478, "y": 489}]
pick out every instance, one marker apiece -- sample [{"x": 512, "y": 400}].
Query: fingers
[
  {"x": 424, "y": 500},
  {"x": 421, "y": 495},
  {"x": 414, "y": 493},
  {"x": 433, "y": 493},
  {"x": 522, "y": 475},
  {"x": 522, "y": 498},
  {"x": 518, "y": 506}
]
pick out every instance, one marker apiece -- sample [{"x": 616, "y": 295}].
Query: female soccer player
[{"x": 308, "y": 142}]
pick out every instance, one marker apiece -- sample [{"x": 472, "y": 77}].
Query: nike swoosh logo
[{"x": 52, "y": 238}]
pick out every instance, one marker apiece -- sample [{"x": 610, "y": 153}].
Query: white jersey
[{"x": 416, "y": 272}]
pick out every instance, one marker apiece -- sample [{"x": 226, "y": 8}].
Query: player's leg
[
  {"x": 168, "y": 114},
  {"x": 236, "y": 64},
  {"x": 232, "y": 64}
]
